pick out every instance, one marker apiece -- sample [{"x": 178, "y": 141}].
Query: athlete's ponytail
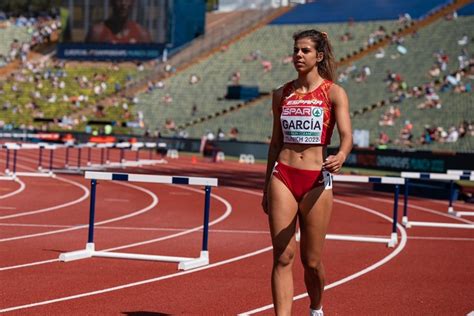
[{"x": 326, "y": 67}]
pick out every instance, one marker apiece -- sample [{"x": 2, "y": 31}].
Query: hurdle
[
  {"x": 392, "y": 240},
  {"x": 184, "y": 263},
  {"x": 451, "y": 211},
  {"x": 464, "y": 173},
  {"x": 15, "y": 148}
]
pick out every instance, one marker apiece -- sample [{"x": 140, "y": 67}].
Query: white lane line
[
  {"x": 115, "y": 219},
  {"x": 441, "y": 238},
  {"x": 231, "y": 260},
  {"x": 455, "y": 204},
  {"x": 7, "y": 208},
  {"x": 116, "y": 200},
  {"x": 231, "y": 231},
  {"x": 224, "y": 231},
  {"x": 124, "y": 286},
  {"x": 52, "y": 208},
  {"x": 180, "y": 193},
  {"x": 351, "y": 277},
  {"x": 19, "y": 190},
  {"x": 219, "y": 219},
  {"x": 425, "y": 209}
]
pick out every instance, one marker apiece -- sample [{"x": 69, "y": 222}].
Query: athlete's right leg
[{"x": 282, "y": 213}]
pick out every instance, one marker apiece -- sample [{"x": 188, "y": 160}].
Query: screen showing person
[{"x": 118, "y": 28}]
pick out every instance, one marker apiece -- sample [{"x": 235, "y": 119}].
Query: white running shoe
[{"x": 316, "y": 312}]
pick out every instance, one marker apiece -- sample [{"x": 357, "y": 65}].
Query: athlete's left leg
[{"x": 314, "y": 215}]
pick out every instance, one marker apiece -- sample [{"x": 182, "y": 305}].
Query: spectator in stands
[
  {"x": 296, "y": 187},
  {"x": 380, "y": 53},
  {"x": 118, "y": 28},
  {"x": 170, "y": 124},
  {"x": 346, "y": 37},
  {"x": 453, "y": 135},
  {"x": 267, "y": 66},
  {"x": 235, "y": 77},
  {"x": 193, "y": 79},
  {"x": 383, "y": 139},
  {"x": 233, "y": 133},
  {"x": 194, "y": 109}
]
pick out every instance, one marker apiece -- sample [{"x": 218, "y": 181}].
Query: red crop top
[{"x": 307, "y": 118}]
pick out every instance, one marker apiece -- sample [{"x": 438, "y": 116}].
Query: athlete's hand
[
  {"x": 333, "y": 163},
  {"x": 265, "y": 203}
]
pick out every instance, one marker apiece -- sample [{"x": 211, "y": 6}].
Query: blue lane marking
[
  {"x": 424, "y": 175},
  {"x": 375, "y": 180},
  {"x": 120, "y": 176},
  {"x": 180, "y": 180}
]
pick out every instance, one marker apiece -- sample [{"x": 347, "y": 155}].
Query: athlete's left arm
[{"x": 339, "y": 99}]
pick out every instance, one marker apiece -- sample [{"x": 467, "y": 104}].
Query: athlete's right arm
[{"x": 276, "y": 142}]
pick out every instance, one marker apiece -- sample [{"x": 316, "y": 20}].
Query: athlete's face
[{"x": 305, "y": 55}]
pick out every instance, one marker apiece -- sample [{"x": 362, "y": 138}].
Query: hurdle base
[
  {"x": 436, "y": 224},
  {"x": 33, "y": 174},
  {"x": 79, "y": 254},
  {"x": 405, "y": 221},
  {"x": 461, "y": 214},
  {"x": 391, "y": 242},
  {"x": 203, "y": 260},
  {"x": 68, "y": 171},
  {"x": 184, "y": 263}
]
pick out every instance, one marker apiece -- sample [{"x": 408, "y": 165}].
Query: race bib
[{"x": 302, "y": 124}]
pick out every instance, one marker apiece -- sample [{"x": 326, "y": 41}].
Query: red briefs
[{"x": 300, "y": 181}]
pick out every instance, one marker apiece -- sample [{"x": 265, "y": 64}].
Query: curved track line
[
  {"x": 52, "y": 208},
  {"x": 351, "y": 277},
  {"x": 429, "y": 210},
  {"x": 456, "y": 203},
  {"x": 22, "y": 187},
  {"x": 188, "y": 231},
  {"x": 251, "y": 254},
  {"x": 146, "y": 209},
  {"x": 225, "y": 215},
  {"x": 219, "y": 219}
]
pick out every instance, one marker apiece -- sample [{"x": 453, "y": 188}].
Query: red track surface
[{"x": 430, "y": 272}]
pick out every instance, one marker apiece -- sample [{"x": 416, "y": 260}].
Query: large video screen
[{"x": 116, "y": 21}]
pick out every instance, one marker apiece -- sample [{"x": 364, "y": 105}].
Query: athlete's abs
[{"x": 308, "y": 157}]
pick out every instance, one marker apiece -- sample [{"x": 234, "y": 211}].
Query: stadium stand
[{"x": 419, "y": 50}]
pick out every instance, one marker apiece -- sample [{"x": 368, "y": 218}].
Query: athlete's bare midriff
[{"x": 307, "y": 157}]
